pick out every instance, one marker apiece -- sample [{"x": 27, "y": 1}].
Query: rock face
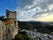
[
  {"x": 11, "y": 29},
  {"x": 10, "y": 26},
  {"x": 2, "y": 30}
]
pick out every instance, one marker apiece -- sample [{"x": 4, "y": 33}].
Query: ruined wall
[{"x": 10, "y": 14}]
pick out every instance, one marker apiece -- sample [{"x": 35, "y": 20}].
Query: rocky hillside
[{"x": 44, "y": 27}]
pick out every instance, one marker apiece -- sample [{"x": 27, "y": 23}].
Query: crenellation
[{"x": 11, "y": 14}]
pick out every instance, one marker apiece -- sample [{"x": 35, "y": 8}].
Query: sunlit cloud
[
  {"x": 37, "y": 10},
  {"x": 50, "y": 7},
  {"x": 46, "y": 18}
]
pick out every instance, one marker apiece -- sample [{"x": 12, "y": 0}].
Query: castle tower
[
  {"x": 10, "y": 14},
  {"x": 11, "y": 24}
]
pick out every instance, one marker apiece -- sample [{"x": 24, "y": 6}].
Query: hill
[{"x": 43, "y": 27}]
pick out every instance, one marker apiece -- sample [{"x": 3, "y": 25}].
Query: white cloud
[
  {"x": 50, "y": 7},
  {"x": 38, "y": 9}
]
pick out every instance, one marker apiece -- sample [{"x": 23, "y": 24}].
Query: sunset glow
[{"x": 46, "y": 18}]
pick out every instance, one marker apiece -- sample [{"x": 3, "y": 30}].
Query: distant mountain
[{"x": 44, "y": 27}]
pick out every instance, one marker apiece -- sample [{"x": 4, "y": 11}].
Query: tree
[{"x": 2, "y": 18}]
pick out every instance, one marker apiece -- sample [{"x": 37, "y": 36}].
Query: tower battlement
[{"x": 10, "y": 14}]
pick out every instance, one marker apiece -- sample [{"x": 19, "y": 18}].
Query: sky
[
  {"x": 29, "y": 10},
  {"x": 35, "y": 10},
  {"x": 7, "y": 4}
]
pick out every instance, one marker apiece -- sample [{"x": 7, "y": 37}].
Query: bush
[{"x": 22, "y": 35}]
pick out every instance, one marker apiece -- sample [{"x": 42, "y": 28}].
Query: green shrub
[{"x": 22, "y": 35}]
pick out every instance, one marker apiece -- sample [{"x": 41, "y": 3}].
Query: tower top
[{"x": 10, "y": 14}]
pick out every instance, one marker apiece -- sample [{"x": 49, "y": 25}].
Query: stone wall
[{"x": 10, "y": 14}]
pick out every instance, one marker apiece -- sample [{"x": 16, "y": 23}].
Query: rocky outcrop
[{"x": 2, "y": 30}]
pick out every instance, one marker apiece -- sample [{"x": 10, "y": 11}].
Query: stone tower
[
  {"x": 11, "y": 24},
  {"x": 11, "y": 14}
]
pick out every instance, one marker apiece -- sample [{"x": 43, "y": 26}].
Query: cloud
[
  {"x": 32, "y": 10},
  {"x": 23, "y": 3},
  {"x": 46, "y": 18}
]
